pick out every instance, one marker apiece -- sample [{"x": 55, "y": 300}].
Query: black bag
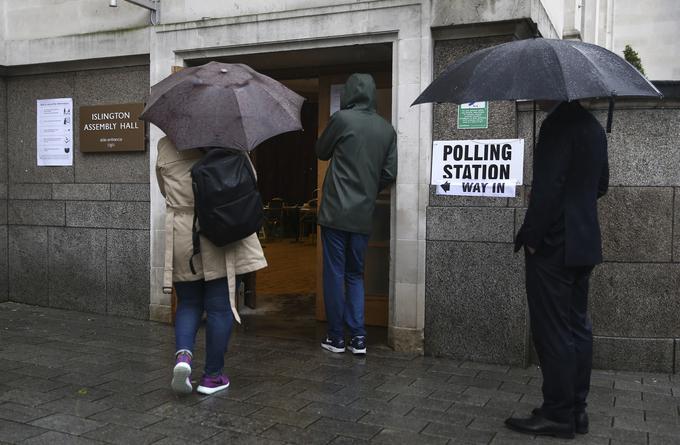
[{"x": 227, "y": 204}]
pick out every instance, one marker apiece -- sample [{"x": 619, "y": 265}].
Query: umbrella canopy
[
  {"x": 538, "y": 69},
  {"x": 222, "y": 105}
]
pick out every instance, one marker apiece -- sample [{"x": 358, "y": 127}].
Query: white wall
[
  {"x": 38, "y": 19},
  {"x": 652, "y": 28}
]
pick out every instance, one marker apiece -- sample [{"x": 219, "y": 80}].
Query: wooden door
[{"x": 376, "y": 272}]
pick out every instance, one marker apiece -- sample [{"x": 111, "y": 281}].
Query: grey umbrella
[
  {"x": 222, "y": 105},
  {"x": 537, "y": 68}
]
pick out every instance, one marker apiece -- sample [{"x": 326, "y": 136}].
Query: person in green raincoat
[{"x": 362, "y": 149}]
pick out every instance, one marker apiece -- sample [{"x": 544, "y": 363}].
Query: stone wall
[
  {"x": 78, "y": 237},
  {"x": 475, "y": 298},
  {"x": 3, "y": 190}
]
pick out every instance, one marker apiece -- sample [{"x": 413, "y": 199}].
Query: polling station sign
[{"x": 488, "y": 167}]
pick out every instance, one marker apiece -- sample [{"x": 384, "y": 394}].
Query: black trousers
[{"x": 561, "y": 329}]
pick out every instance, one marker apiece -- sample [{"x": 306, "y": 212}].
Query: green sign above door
[{"x": 473, "y": 115}]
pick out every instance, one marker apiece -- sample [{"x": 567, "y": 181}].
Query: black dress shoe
[
  {"x": 581, "y": 422},
  {"x": 540, "y": 426}
]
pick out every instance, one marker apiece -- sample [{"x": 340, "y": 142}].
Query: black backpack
[{"x": 227, "y": 204}]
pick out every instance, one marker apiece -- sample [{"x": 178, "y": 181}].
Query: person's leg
[
  {"x": 334, "y": 244},
  {"x": 354, "y": 285},
  {"x": 582, "y": 330},
  {"x": 549, "y": 286},
  {"x": 187, "y": 321},
  {"x": 219, "y": 321}
]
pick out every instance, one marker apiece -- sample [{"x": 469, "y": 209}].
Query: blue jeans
[
  {"x": 194, "y": 297},
  {"x": 343, "y": 281}
]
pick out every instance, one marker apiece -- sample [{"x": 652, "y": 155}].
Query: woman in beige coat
[{"x": 212, "y": 288}]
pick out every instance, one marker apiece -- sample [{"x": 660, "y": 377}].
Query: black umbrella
[
  {"x": 222, "y": 105},
  {"x": 539, "y": 69}
]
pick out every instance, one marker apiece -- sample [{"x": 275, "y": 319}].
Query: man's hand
[{"x": 530, "y": 249}]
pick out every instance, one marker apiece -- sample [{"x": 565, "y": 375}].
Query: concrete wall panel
[
  {"x": 28, "y": 269},
  {"x": 635, "y": 354},
  {"x": 637, "y": 224},
  {"x": 636, "y": 300},
  {"x": 22, "y": 94},
  {"x": 475, "y": 302},
  {"x": 77, "y": 269},
  {"x": 127, "y": 273}
]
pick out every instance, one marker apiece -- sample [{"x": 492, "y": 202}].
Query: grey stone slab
[
  {"x": 111, "y": 86},
  {"x": 30, "y": 191},
  {"x": 475, "y": 302},
  {"x": 644, "y": 354},
  {"x": 676, "y": 225},
  {"x": 643, "y": 149},
  {"x": 3, "y": 187},
  {"x": 21, "y": 413},
  {"x": 458, "y": 433},
  {"x": 635, "y": 300},
  {"x": 4, "y": 266},
  {"x": 334, "y": 411},
  {"x": 56, "y": 438},
  {"x": 637, "y": 224},
  {"x": 22, "y": 94},
  {"x": 81, "y": 192},
  {"x": 3, "y": 134},
  {"x": 3, "y": 211},
  {"x": 292, "y": 418},
  {"x": 501, "y": 114},
  {"x": 184, "y": 430},
  {"x": 130, "y": 192},
  {"x": 77, "y": 270},
  {"x": 66, "y": 423},
  {"x": 28, "y": 247},
  {"x": 36, "y": 213},
  {"x": 13, "y": 432},
  {"x": 291, "y": 434},
  {"x": 117, "y": 434},
  {"x": 470, "y": 224},
  {"x": 76, "y": 407},
  {"x": 351, "y": 429},
  {"x": 401, "y": 423},
  {"x": 240, "y": 438},
  {"x": 127, "y": 273},
  {"x": 112, "y": 215}
]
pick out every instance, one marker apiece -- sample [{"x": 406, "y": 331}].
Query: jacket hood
[{"x": 359, "y": 93}]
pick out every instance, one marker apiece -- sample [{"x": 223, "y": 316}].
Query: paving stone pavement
[{"x": 75, "y": 378}]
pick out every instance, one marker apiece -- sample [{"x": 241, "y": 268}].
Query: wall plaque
[{"x": 107, "y": 128}]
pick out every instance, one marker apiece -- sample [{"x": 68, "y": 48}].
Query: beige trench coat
[{"x": 173, "y": 170}]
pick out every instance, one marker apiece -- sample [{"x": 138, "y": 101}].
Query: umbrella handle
[{"x": 610, "y": 113}]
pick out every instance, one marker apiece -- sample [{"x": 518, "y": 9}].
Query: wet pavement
[{"x": 75, "y": 378}]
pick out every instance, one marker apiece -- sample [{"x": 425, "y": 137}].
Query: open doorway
[{"x": 286, "y": 299}]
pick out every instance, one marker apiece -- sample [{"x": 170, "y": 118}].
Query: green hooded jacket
[{"x": 362, "y": 147}]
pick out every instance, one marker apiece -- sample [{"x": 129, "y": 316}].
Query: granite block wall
[
  {"x": 474, "y": 285},
  {"x": 3, "y": 192},
  {"x": 78, "y": 237},
  {"x": 475, "y": 300}
]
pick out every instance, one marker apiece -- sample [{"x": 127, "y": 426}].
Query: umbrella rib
[{"x": 597, "y": 68}]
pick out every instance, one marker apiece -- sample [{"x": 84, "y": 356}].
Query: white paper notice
[
  {"x": 489, "y": 167},
  {"x": 55, "y": 132},
  {"x": 336, "y": 93}
]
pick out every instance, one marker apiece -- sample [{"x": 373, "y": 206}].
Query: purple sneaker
[
  {"x": 181, "y": 382},
  {"x": 212, "y": 384}
]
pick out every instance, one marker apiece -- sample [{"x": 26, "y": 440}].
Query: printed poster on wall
[
  {"x": 473, "y": 115},
  {"x": 487, "y": 167},
  {"x": 54, "y": 139},
  {"x": 336, "y": 94}
]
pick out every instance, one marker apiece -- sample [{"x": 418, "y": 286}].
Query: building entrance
[{"x": 286, "y": 299}]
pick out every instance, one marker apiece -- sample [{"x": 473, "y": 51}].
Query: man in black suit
[{"x": 561, "y": 239}]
